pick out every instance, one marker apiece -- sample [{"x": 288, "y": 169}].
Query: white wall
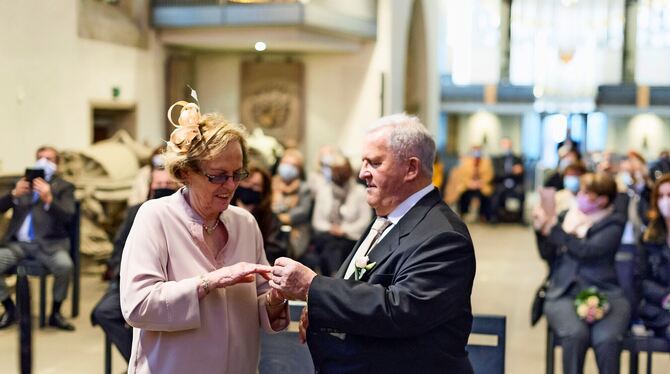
[
  {"x": 342, "y": 91},
  {"x": 49, "y": 76},
  {"x": 626, "y": 133},
  {"x": 472, "y": 128}
]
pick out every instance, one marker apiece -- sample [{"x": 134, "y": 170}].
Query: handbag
[{"x": 537, "y": 307}]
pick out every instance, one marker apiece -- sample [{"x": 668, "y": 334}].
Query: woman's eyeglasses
[{"x": 223, "y": 178}]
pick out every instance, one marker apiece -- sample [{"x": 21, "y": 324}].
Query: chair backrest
[
  {"x": 282, "y": 352},
  {"x": 488, "y": 357}
]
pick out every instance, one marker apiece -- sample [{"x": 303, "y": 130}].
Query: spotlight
[{"x": 260, "y": 46}]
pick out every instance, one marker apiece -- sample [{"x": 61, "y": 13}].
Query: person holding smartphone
[{"x": 43, "y": 205}]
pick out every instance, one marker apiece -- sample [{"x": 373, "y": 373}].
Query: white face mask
[
  {"x": 664, "y": 206},
  {"x": 48, "y": 166}
]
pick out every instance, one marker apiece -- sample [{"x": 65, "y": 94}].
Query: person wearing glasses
[{"x": 193, "y": 270}]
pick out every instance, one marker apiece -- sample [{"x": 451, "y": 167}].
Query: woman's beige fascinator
[{"x": 187, "y": 131}]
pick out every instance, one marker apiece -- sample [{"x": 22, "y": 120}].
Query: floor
[{"x": 508, "y": 272}]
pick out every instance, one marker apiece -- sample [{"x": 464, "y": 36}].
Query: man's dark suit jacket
[
  {"x": 411, "y": 313},
  {"x": 500, "y": 174},
  {"x": 50, "y": 226}
]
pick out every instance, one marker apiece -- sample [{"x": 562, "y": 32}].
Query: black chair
[
  {"x": 631, "y": 343},
  {"x": 108, "y": 355},
  {"x": 33, "y": 267},
  {"x": 282, "y": 352},
  {"x": 488, "y": 359}
]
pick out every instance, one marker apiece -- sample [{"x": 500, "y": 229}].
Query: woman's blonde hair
[
  {"x": 657, "y": 231},
  {"x": 215, "y": 133}
]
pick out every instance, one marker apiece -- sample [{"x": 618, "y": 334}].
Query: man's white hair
[{"x": 408, "y": 137}]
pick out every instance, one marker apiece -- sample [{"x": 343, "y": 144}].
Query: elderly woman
[
  {"x": 191, "y": 283},
  {"x": 584, "y": 241},
  {"x": 655, "y": 306}
]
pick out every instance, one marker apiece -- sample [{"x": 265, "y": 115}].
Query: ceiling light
[{"x": 260, "y": 46}]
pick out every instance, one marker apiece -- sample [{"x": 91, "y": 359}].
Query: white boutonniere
[{"x": 362, "y": 266}]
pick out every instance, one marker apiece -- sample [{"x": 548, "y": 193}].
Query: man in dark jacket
[
  {"x": 400, "y": 303},
  {"x": 42, "y": 210}
]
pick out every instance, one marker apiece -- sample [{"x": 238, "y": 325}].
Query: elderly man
[
  {"x": 42, "y": 209},
  {"x": 400, "y": 303}
]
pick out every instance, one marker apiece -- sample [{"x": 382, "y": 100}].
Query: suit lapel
[{"x": 391, "y": 242}]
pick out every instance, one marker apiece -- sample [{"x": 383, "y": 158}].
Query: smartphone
[
  {"x": 34, "y": 173},
  {"x": 548, "y": 200}
]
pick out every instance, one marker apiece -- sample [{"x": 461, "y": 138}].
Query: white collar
[{"x": 406, "y": 205}]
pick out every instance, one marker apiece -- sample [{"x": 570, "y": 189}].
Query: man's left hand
[
  {"x": 43, "y": 188},
  {"x": 291, "y": 278}
]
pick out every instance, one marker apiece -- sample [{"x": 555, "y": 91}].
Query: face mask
[
  {"x": 585, "y": 205},
  {"x": 48, "y": 166},
  {"x": 287, "y": 172},
  {"x": 571, "y": 183},
  {"x": 664, "y": 206},
  {"x": 327, "y": 173},
  {"x": 626, "y": 178},
  {"x": 563, "y": 164},
  {"x": 248, "y": 196},
  {"x": 476, "y": 154},
  {"x": 158, "y": 162},
  {"x": 162, "y": 192}
]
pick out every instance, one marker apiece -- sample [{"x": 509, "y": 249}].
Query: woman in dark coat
[
  {"x": 584, "y": 241},
  {"x": 655, "y": 304}
]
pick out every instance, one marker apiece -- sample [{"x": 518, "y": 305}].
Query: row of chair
[
  {"x": 625, "y": 264},
  {"x": 283, "y": 353}
]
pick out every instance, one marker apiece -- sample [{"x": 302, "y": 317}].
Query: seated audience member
[
  {"x": 140, "y": 189},
  {"x": 438, "y": 173},
  {"x": 471, "y": 179},
  {"x": 507, "y": 181},
  {"x": 584, "y": 241},
  {"x": 661, "y": 166},
  {"x": 292, "y": 200},
  {"x": 340, "y": 216},
  {"x": 42, "y": 210},
  {"x": 107, "y": 313},
  {"x": 567, "y": 196},
  {"x": 555, "y": 179},
  {"x": 255, "y": 195},
  {"x": 655, "y": 303},
  {"x": 322, "y": 174}
]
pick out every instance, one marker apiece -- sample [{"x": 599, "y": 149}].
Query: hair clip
[{"x": 187, "y": 130}]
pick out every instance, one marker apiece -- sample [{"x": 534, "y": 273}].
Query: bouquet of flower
[{"x": 591, "y": 305}]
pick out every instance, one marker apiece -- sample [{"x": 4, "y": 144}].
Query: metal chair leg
[
  {"x": 108, "y": 355},
  {"x": 43, "y": 300},
  {"x": 633, "y": 362},
  {"x": 25, "y": 322},
  {"x": 550, "y": 352}
]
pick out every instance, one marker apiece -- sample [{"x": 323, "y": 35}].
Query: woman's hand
[{"x": 242, "y": 272}]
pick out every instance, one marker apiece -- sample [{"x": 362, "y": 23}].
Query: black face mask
[
  {"x": 162, "y": 192},
  {"x": 248, "y": 196}
]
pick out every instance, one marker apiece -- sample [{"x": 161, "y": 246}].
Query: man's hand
[
  {"x": 291, "y": 278},
  {"x": 302, "y": 327},
  {"x": 336, "y": 230},
  {"x": 22, "y": 188},
  {"x": 43, "y": 188}
]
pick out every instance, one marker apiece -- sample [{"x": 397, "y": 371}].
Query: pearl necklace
[{"x": 210, "y": 229}]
